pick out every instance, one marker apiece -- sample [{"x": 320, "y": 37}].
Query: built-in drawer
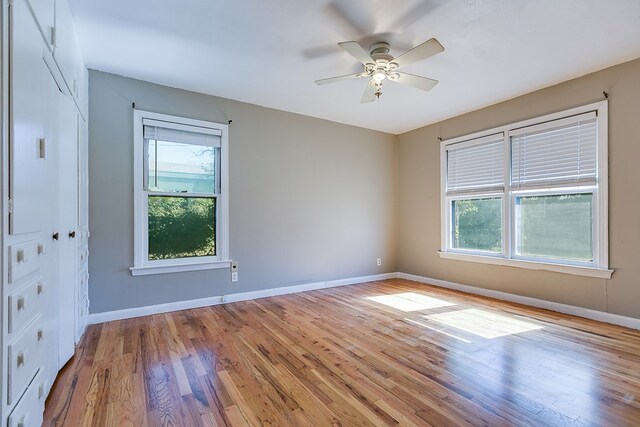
[
  {"x": 26, "y": 355},
  {"x": 24, "y": 258},
  {"x": 28, "y": 412},
  {"x": 25, "y": 304}
]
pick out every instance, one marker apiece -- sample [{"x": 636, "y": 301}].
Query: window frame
[
  {"x": 473, "y": 196},
  {"x": 559, "y": 191},
  {"x": 599, "y": 267},
  {"x": 142, "y": 265}
]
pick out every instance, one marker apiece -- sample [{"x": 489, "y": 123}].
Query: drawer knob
[
  {"x": 20, "y": 303},
  {"x": 20, "y": 359},
  {"x": 40, "y": 334},
  {"x": 40, "y": 288},
  {"x": 41, "y": 249},
  {"x": 21, "y": 256}
]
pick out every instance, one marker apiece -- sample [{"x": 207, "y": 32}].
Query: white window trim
[
  {"x": 141, "y": 265},
  {"x": 601, "y": 232},
  {"x": 600, "y": 273}
]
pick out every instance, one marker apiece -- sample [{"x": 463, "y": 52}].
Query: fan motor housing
[{"x": 380, "y": 52}]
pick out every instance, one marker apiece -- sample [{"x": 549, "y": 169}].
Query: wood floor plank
[{"x": 384, "y": 353}]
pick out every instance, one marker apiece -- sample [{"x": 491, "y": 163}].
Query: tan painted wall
[{"x": 419, "y": 196}]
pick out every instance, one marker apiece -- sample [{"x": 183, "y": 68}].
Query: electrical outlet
[
  {"x": 234, "y": 271},
  {"x": 379, "y": 261}
]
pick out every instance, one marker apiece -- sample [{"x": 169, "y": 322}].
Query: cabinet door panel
[
  {"x": 67, "y": 49},
  {"x": 28, "y": 117},
  {"x": 43, "y": 11}
]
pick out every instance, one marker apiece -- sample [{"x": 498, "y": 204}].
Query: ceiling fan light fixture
[
  {"x": 379, "y": 76},
  {"x": 380, "y": 65}
]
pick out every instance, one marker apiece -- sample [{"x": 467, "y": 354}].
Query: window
[
  {"x": 180, "y": 194},
  {"x": 475, "y": 189},
  {"x": 531, "y": 194}
]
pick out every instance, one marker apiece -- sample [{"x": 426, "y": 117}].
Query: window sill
[
  {"x": 601, "y": 273},
  {"x": 162, "y": 269}
]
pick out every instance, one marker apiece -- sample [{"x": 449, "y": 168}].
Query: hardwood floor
[{"x": 381, "y": 353}]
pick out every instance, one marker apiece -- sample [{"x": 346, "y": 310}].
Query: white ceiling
[{"x": 270, "y": 52}]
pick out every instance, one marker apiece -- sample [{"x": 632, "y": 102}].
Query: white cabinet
[{"x": 44, "y": 290}]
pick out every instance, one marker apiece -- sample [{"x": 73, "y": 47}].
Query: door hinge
[
  {"x": 53, "y": 36},
  {"x": 10, "y": 206}
]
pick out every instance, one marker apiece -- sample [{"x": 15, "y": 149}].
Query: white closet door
[
  {"x": 51, "y": 267},
  {"x": 29, "y": 115},
  {"x": 68, "y": 211}
]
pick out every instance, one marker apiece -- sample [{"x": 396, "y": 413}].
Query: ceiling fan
[{"x": 379, "y": 65}]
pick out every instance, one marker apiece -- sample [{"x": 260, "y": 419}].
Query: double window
[
  {"x": 530, "y": 194},
  {"x": 180, "y": 194}
]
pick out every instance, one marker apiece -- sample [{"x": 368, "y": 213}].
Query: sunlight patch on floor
[
  {"x": 483, "y": 323},
  {"x": 410, "y": 301},
  {"x": 438, "y": 330}
]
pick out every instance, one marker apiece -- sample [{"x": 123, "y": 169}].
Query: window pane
[
  {"x": 477, "y": 224},
  {"x": 181, "y": 227},
  {"x": 183, "y": 168},
  {"x": 555, "y": 226}
]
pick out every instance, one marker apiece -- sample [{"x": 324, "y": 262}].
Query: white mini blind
[
  {"x": 474, "y": 167},
  {"x": 565, "y": 153},
  {"x": 181, "y": 135}
]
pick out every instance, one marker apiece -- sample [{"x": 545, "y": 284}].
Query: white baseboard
[
  {"x": 221, "y": 299},
  {"x": 601, "y": 316}
]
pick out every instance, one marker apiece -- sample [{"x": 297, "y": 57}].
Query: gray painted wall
[{"x": 310, "y": 200}]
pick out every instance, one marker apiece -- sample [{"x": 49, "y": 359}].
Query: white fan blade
[
  {"x": 418, "y": 53},
  {"x": 338, "y": 79},
  {"x": 416, "y": 81},
  {"x": 357, "y": 52},
  {"x": 369, "y": 92}
]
